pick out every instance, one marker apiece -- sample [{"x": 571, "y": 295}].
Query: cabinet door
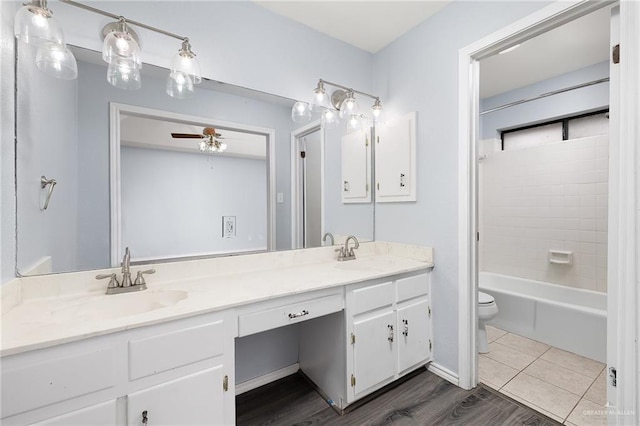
[
  {"x": 373, "y": 351},
  {"x": 103, "y": 414},
  {"x": 355, "y": 168},
  {"x": 197, "y": 399},
  {"x": 395, "y": 160},
  {"x": 414, "y": 334}
]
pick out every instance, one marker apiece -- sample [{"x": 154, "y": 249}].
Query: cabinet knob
[
  {"x": 144, "y": 417},
  {"x": 390, "y": 338},
  {"x": 405, "y": 324}
]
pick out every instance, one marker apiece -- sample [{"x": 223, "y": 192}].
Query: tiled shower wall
[{"x": 551, "y": 197}]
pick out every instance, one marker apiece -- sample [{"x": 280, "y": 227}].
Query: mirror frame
[{"x": 115, "y": 111}]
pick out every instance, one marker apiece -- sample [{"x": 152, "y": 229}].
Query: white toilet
[{"x": 487, "y": 310}]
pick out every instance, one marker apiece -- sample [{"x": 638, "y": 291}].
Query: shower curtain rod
[{"x": 544, "y": 95}]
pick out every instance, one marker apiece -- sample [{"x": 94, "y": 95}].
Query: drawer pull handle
[
  {"x": 299, "y": 314},
  {"x": 144, "y": 417},
  {"x": 405, "y": 323},
  {"x": 390, "y": 338}
]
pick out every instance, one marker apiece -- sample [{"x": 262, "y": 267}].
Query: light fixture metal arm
[
  {"x": 348, "y": 88},
  {"x": 117, "y": 17}
]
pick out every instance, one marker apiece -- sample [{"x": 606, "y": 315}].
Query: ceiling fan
[{"x": 210, "y": 142}]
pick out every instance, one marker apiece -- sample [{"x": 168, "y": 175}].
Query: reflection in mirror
[
  {"x": 64, "y": 131},
  {"x": 175, "y": 199}
]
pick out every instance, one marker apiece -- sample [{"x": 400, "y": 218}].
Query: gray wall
[
  {"x": 46, "y": 128},
  {"x": 574, "y": 102},
  {"x": 419, "y": 72},
  {"x": 173, "y": 202}
]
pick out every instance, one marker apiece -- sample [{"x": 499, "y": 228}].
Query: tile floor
[{"x": 564, "y": 386}]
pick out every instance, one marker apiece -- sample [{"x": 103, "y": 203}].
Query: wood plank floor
[{"x": 424, "y": 399}]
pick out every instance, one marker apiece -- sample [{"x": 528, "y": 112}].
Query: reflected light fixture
[
  {"x": 124, "y": 74},
  {"x": 57, "y": 61},
  {"x": 341, "y": 104},
  {"x": 300, "y": 112},
  {"x": 185, "y": 62}
]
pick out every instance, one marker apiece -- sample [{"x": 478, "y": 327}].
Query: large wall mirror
[{"x": 121, "y": 179}]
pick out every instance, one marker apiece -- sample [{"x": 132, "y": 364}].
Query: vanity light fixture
[
  {"x": 35, "y": 25},
  {"x": 342, "y": 103}
]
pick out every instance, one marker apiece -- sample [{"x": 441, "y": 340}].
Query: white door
[
  {"x": 413, "y": 335},
  {"x": 374, "y": 351},
  {"x": 197, "y": 399},
  {"x": 355, "y": 167}
]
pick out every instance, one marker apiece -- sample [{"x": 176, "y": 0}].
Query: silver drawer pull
[
  {"x": 390, "y": 338},
  {"x": 299, "y": 314},
  {"x": 145, "y": 419},
  {"x": 405, "y": 324}
]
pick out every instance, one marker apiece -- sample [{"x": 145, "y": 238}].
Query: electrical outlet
[
  {"x": 280, "y": 197},
  {"x": 228, "y": 226}
]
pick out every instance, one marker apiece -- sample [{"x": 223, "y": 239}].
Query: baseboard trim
[
  {"x": 443, "y": 372},
  {"x": 266, "y": 378}
]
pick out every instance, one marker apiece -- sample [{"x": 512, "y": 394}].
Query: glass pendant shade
[
  {"x": 354, "y": 123},
  {"x": 185, "y": 62},
  {"x": 34, "y": 24},
  {"x": 124, "y": 74},
  {"x": 120, "y": 44},
  {"x": 376, "y": 110},
  {"x": 301, "y": 113},
  {"x": 179, "y": 85},
  {"x": 330, "y": 118},
  {"x": 349, "y": 106},
  {"x": 57, "y": 61}
]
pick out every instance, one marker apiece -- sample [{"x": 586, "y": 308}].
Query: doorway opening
[
  {"x": 307, "y": 188},
  {"x": 620, "y": 203}
]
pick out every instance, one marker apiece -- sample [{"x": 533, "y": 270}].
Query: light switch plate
[{"x": 280, "y": 197}]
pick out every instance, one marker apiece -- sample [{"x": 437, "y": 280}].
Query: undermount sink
[{"x": 120, "y": 305}]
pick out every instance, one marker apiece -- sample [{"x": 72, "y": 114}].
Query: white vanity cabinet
[
  {"x": 389, "y": 329},
  {"x": 195, "y": 399},
  {"x": 179, "y": 372}
]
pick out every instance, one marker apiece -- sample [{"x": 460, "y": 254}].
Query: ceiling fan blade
[{"x": 186, "y": 135}]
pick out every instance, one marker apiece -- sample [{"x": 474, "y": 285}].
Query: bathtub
[{"x": 565, "y": 317}]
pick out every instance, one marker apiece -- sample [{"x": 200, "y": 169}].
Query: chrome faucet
[
  {"x": 114, "y": 287},
  {"x": 330, "y": 235},
  {"x": 126, "y": 269},
  {"x": 346, "y": 253}
]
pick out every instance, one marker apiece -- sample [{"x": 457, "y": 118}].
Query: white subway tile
[
  {"x": 589, "y": 236},
  {"x": 588, "y": 248}
]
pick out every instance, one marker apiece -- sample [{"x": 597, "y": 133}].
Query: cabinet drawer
[
  {"x": 288, "y": 314},
  {"x": 33, "y": 386},
  {"x": 372, "y": 297},
  {"x": 163, "y": 352},
  {"x": 411, "y": 287}
]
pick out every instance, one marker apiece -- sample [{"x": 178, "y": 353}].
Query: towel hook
[{"x": 44, "y": 182}]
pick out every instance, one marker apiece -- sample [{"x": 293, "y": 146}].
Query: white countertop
[{"x": 44, "y": 311}]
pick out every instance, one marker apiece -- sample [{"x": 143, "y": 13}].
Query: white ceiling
[
  {"x": 367, "y": 24},
  {"x": 156, "y": 134},
  {"x": 372, "y": 24},
  {"x": 575, "y": 45}
]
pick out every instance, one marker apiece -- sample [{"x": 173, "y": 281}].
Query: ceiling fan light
[
  {"x": 185, "y": 61},
  {"x": 57, "y": 61},
  {"x": 124, "y": 74},
  {"x": 35, "y": 25},
  {"x": 179, "y": 85}
]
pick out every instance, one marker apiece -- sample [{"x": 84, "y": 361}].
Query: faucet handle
[
  {"x": 342, "y": 252},
  {"x": 113, "y": 282},
  {"x": 139, "y": 277}
]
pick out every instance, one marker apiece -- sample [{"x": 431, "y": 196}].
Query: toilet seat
[{"x": 485, "y": 299}]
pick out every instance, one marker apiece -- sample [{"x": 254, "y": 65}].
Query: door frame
[
  {"x": 623, "y": 202},
  {"x": 115, "y": 191},
  {"x": 297, "y": 211}
]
